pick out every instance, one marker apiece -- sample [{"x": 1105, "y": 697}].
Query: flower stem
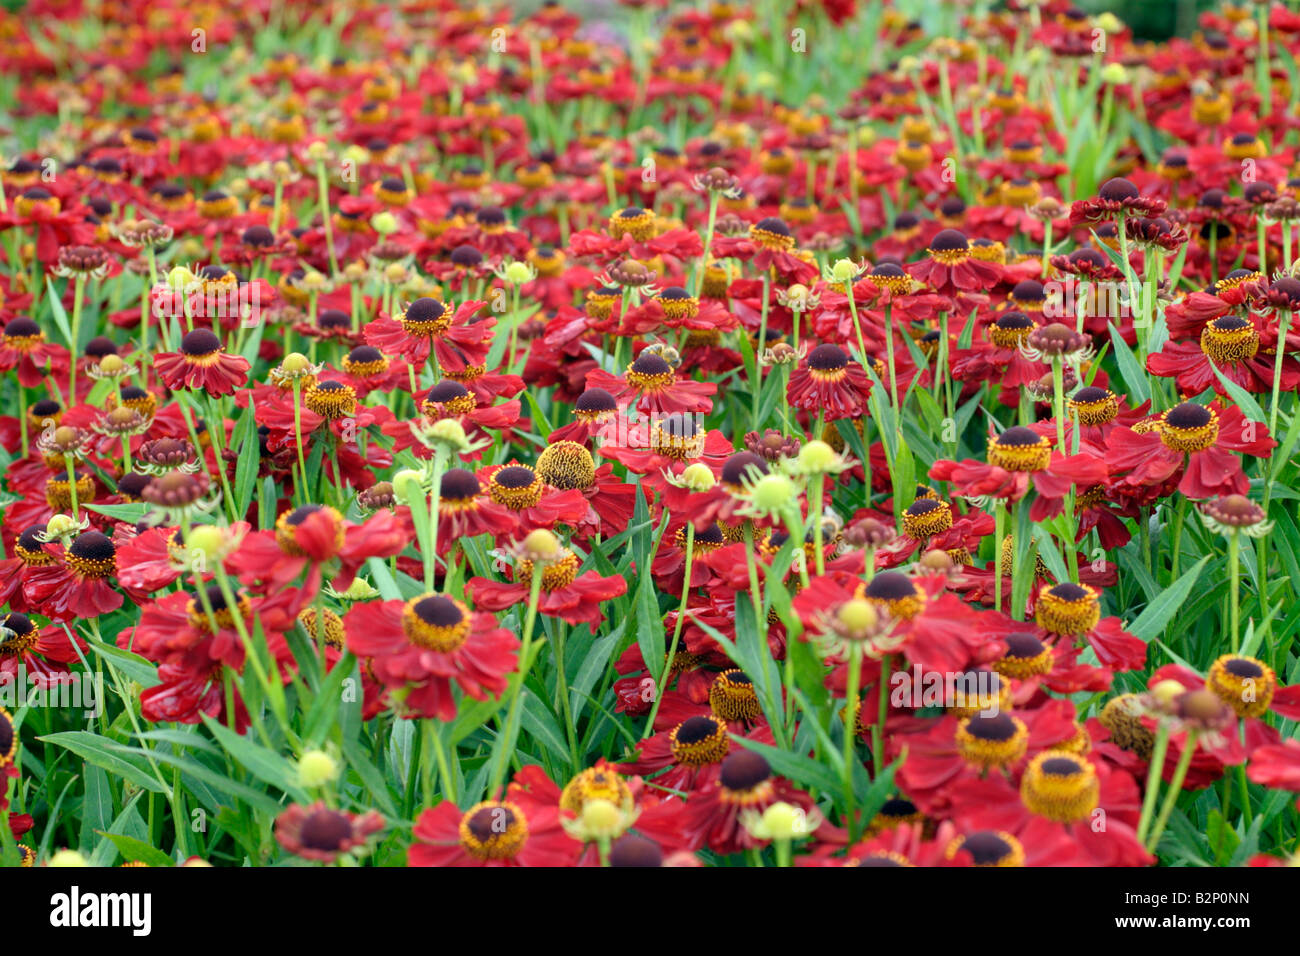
[
  {"x": 677, "y": 630},
  {"x": 1175, "y": 788},
  {"x": 1154, "y": 769},
  {"x": 511, "y": 728}
]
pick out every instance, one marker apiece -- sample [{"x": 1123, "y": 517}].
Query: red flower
[
  {"x": 1198, "y": 438},
  {"x": 77, "y": 585},
  {"x": 655, "y": 387},
  {"x": 564, "y": 593},
  {"x": 43, "y": 652},
  {"x": 1018, "y": 457},
  {"x": 456, "y": 341},
  {"x": 429, "y": 644},
  {"x": 202, "y": 363},
  {"x": 310, "y": 538},
  {"x": 318, "y": 833},
  {"x": 829, "y": 383},
  {"x": 1230, "y": 344},
  {"x": 23, "y": 346},
  {"x": 950, "y": 268},
  {"x": 521, "y": 830}
]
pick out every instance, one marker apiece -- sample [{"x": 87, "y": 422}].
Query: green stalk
[
  {"x": 677, "y": 630},
  {"x": 1154, "y": 769},
  {"x": 1175, "y": 788},
  {"x": 511, "y": 728},
  {"x": 1234, "y": 587},
  {"x": 851, "y": 706}
]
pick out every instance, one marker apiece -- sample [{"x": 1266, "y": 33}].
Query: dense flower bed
[{"x": 656, "y": 434}]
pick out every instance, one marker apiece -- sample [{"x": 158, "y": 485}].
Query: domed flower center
[
  {"x": 650, "y": 372},
  {"x": 998, "y": 740},
  {"x": 896, "y": 593},
  {"x": 595, "y": 404},
  {"x": 18, "y": 635},
  {"x": 436, "y": 623},
  {"x": 1068, "y": 609},
  {"x": 989, "y": 848},
  {"x": 732, "y": 697},
  {"x": 1020, "y": 449},
  {"x": 448, "y": 398},
  {"x": 925, "y": 517},
  {"x": 556, "y": 575},
  {"x": 1011, "y": 330},
  {"x": 426, "y": 318},
  {"x": 1189, "y": 427},
  {"x": 459, "y": 488},
  {"x": 1060, "y": 787},
  {"x": 772, "y": 233},
  {"x": 331, "y": 400},
  {"x": 493, "y": 830},
  {"x": 92, "y": 555},
  {"x": 566, "y": 465},
  {"x": 1229, "y": 338},
  {"x": 698, "y": 741},
  {"x": 1243, "y": 683},
  {"x": 516, "y": 487},
  {"x": 1026, "y": 656},
  {"x": 1094, "y": 406}
]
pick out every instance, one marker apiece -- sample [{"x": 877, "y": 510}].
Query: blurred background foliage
[
  {"x": 1154, "y": 19},
  {"x": 1150, "y": 19}
]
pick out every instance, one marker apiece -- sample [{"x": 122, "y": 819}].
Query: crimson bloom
[
  {"x": 564, "y": 593},
  {"x": 456, "y": 340},
  {"x": 202, "y": 363},
  {"x": 521, "y": 830},
  {"x": 429, "y": 645},
  {"x": 1197, "y": 441}
]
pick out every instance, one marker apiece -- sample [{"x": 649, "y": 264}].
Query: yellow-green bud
[
  {"x": 61, "y": 526},
  {"x": 1115, "y": 74},
  {"x": 698, "y": 477},
  {"x": 450, "y": 431},
  {"x": 774, "y": 492},
  {"x": 359, "y": 590},
  {"x": 784, "y": 821},
  {"x": 68, "y": 858},
  {"x": 295, "y": 362},
  {"x": 357, "y": 154},
  {"x": 208, "y": 540},
  {"x": 817, "y": 457},
  {"x": 845, "y": 270},
  {"x": 1167, "y": 691},
  {"x": 1108, "y": 22},
  {"x": 517, "y": 273},
  {"x": 385, "y": 223},
  {"x": 180, "y": 277},
  {"x": 541, "y": 544},
  {"x": 601, "y": 818},
  {"x": 316, "y": 768},
  {"x": 858, "y": 616},
  {"x": 408, "y": 486}
]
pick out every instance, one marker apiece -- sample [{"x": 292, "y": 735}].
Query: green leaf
[
  {"x": 1151, "y": 623},
  {"x": 137, "y": 851},
  {"x": 1244, "y": 400},
  {"x": 244, "y": 438},
  {"x": 111, "y": 757},
  {"x": 1135, "y": 379},
  {"x": 266, "y": 765},
  {"x": 794, "y": 766}
]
